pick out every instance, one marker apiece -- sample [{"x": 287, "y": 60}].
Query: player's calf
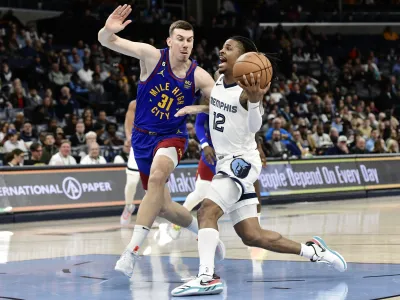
[{"x": 208, "y": 214}]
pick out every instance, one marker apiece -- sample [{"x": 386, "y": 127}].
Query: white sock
[
  {"x": 194, "y": 226},
  {"x": 130, "y": 187},
  {"x": 140, "y": 233},
  {"x": 307, "y": 251},
  {"x": 259, "y": 217},
  {"x": 208, "y": 241},
  {"x": 197, "y": 195}
]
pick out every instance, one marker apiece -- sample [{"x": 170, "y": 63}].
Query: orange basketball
[{"x": 256, "y": 63}]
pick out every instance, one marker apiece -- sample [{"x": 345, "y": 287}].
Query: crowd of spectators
[{"x": 66, "y": 105}]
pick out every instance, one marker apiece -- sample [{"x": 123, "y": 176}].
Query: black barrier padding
[{"x": 81, "y": 213}]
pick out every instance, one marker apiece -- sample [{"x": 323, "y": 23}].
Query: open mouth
[{"x": 222, "y": 60}]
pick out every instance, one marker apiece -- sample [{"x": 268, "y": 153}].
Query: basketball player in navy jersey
[
  {"x": 235, "y": 116},
  {"x": 168, "y": 82}
]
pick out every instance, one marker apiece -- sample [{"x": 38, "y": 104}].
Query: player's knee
[
  {"x": 252, "y": 238},
  {"x": 209, "y": 210},
  {"x": 158, "y": 178}
]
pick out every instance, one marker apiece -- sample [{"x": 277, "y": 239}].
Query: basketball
[{"x": 256, "y": 63}]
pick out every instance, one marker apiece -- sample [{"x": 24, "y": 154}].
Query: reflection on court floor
[{"x": 75, "y": 259}]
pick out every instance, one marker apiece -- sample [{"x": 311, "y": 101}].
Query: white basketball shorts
[{"x": 232, "y": 188}]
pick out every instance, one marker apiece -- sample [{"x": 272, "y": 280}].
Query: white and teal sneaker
[
  {"x": 323, "y": 254},
  {"x": 201, "y": 285}
]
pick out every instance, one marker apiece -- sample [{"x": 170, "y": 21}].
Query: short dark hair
[
  {"x": 34, "y": 146},
  {"x": 16, "y": 152},
  {"x": 180, "y": 24},
  {"x": 247, "y": 45}
]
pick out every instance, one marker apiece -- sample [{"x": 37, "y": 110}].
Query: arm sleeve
[
  {"x": 254, "y": 117},
  {"x": 201, "y": 119}
]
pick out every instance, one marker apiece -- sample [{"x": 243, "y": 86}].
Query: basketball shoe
[
  {"x": 323, "y": 254},
  {"x": 128, "y": 259},
  {"x": 127, "y": 262},
  {"x": 127, "y": 214},
  {"x": 174, "y": 231},
  {"x": 200, "y": 285}
]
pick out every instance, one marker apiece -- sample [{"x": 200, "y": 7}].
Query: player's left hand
[
  {"x": 209, "y": 153},
  {"x": 253, "y": 89},
  {"x": 192, "y": 110},
  {"x": 263, "y": 158}
]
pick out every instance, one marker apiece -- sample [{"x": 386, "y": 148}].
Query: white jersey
[{"x": 228, "y": 126}]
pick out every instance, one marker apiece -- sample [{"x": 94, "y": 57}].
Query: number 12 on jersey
[{"x": 219, "y": 119}]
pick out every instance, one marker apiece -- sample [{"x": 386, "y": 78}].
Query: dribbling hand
[
  {"x": 253, "y": 89},
  {"x": 116, "y": 21}
]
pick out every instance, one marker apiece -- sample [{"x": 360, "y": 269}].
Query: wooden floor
[{"x": 365, "y": 231}]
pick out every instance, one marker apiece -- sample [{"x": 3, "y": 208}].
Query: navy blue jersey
[{"x": 162, "y": 95}]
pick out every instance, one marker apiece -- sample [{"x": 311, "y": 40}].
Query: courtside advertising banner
[
  {"x": 49, "y": 189},
  {"x": 329, "y": 175}
]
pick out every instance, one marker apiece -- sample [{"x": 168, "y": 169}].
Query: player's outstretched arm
[
  {"x": 129, "y": 119},
  {"x": 205, "y": 83},
  {"x": 115, "y": 23}
]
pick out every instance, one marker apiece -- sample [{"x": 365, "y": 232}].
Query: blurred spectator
[
  {"x": 277, "y": 123},
  {"x": 15, "y": 158},
  {"x": 88, "y": 121},
  {"x": 13, "y": 142},
  {"x": 124, "y": 155},
  {"x": 17, "y": 98},
  {"x": 321, "y": 139},
  {"x": 63, "y": 158},
  {"x": 90, "y": 138},
  {"x": 102, "y": 118},
  {"x": 64, "y": 109},
  {"x": 192, "y": 132},
  {"x": 393, "y": 147},
  {"x": 27, "y": 133},
  {"x": 78, "y": 138},
  {"x": 86, "y": 74},
  {"x": 36, "y": 155},
  {"x": 379, "y": 146},
  {"x": 340, "y": 148},
  {"x": 49, "y": 149},
  {"x": 337, "y": 123},
  {"x": 193, "y": 151},
  {"x": 359, "y": 148},
  {"x": 276, "y": 147},
  {"x": 94, "y": 156},
  {"x": 56, "y": 77},
  {"x": 370, "y": 144},
  {"x": 111, "y": 136}
]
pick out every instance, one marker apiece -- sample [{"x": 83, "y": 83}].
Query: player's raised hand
[
  {"x": 253, "y": 89},
  {"x": 209, "y": 153},
  {"x": 116, "y": 21}
]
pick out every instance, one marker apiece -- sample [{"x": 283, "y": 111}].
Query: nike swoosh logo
[
  {"x": 204, "y": 283},
  {"x": 236, "y": 156},
  {"x": 218, "y": 84}
]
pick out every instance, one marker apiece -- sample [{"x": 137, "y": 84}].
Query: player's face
[
  {"x": 228, "y": 56},
  {"x": 181, "y": 44}
]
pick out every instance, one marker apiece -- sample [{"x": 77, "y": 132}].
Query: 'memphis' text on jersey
[{"x": 222, "y": 105}]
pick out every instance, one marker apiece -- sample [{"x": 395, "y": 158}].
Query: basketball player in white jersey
[
  {"x": 132, "y": 172},
  {"x": 235, "y": 116}
]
